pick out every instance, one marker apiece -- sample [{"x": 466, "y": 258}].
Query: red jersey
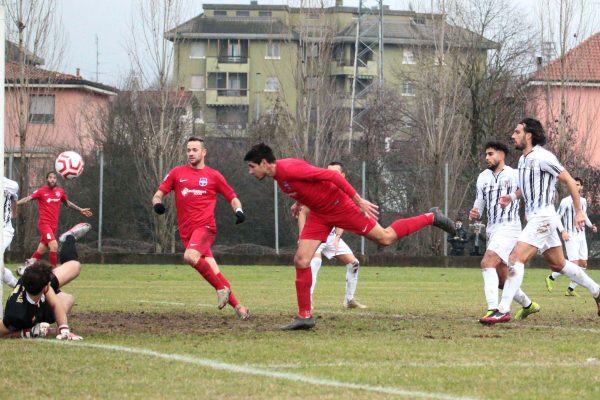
[
  {"x": 49, "y": 204},
  {"x": 196, "y": 195},
  {"x": 320, "y": 189}
]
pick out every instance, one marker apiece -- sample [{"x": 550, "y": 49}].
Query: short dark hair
[
  {"x": 533, "y": 126},
  {"x": 578, "y": 179},
  {"x": 195, "y": 139},
  {"x": 37, "y": 276},
  {"x": 50, "y": 172},
  {"x": 260, "y": 152},
  {"x": 498, "y": 146},
  {"x": 339, "y": 164}
]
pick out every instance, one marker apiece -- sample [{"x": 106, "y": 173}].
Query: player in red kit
[
  {"x": 196, "y": 186},
  {"x": 332, "y": 202},
  {"x": 49, "y": 198}
]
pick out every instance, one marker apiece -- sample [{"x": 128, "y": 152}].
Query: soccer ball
[{"x": 69, "y": 164}]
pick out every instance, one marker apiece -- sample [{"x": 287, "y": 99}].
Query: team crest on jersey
[
  {"x": 203, "y": 181},
  {"x": 57, "y": 193}
]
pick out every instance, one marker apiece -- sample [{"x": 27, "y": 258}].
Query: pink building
[
  {"x": 571, "y": 84},
  {"x": 61, "y": 111}
]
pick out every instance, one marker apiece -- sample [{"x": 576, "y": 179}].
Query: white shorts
[
  {"x": 502, "y": 239},
  {"x": 576, "y": 249},
  {"x": 540, "y": 232},
  {"x": 328, "y": 249},
  {"x": 8, "y": 237}
]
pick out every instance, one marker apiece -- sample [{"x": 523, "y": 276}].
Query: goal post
[{"x": 2, "y": 79}]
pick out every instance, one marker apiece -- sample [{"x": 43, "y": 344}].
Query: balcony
[
  {"x": 346, "y": 67},
  {"x": 237, "y": 64},
  {"x": 227, "y": 97}
]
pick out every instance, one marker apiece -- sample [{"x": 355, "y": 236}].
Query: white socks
[
  {"x": 578, "y": 275},
  {"x": 315, "y": 265},
  {"x": 490, "y": 287},
  {"x": 522, "y": 299},
  {"x": 9, "y": 278},
  {"x": 512, "y": 285},
  {"x": 555, "y": 275},
  {"x": 351, "y": 279}
]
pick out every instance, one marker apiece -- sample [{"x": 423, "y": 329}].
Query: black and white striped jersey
[
  {"x": 11, "y": 193},
  {"x": 566, "y": 212},
  {"x": 489, "y": 189},
  {"x": 537, "y": 180}
]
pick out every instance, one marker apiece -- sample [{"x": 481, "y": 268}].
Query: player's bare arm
[
  {"x": 60, "y": 315},
  {"x": 474, "y": 214},
  {"x": 236, "y": 205},
  {"x": 157, "y": 204},
  {"x": 368, "y": 209},
  {"x": 24, "y": 200},
  {"x": 568, "y": 180},
  {"x": 84, "y": 211}
]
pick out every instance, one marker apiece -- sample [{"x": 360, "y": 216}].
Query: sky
[{"x": 111, "y": 20}]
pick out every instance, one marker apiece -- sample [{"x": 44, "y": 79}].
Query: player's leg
[
  {"x": 315, "y": 266},
  {"x": 7, "y": 275},
  {"x": 77, "y": 231},
  {"x": 240, "y": 310},
  {"x": 352, "y": 268},
  {"x": 67, "y": 272},
  {"x": 197, "y": 248},
  {"x": 581, "y": 255},
  {"x": 490, "y": 264},
  {"x": 53, "y": 252},
  {"x": 557, "y": 262}
]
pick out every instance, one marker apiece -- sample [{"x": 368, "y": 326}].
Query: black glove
[
  {"x": 159, "y": 208},
  {"x": 240, "y": 217}
]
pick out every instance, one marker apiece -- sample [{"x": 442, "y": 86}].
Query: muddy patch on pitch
[{"x": 127, "y": 323}]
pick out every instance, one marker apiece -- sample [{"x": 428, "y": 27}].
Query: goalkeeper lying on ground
[{"x": 37, "y": 301}]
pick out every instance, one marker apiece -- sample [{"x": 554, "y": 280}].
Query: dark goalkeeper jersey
[{"x": 20, "y": 313}]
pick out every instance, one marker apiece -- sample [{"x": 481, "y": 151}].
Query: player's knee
[
  {"x": 191, "y": 257},
  {"x": 386, "y": 240},
  {"x": 301, "y": 261}
]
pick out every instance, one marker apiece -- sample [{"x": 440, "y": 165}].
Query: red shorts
[
  {"x": 46, "y": 234},
  {"x": 318, "y": 226},
  {"x": 201, "y": 239}
]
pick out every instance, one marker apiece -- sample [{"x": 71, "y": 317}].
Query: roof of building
[
  {"x": 39, "y": 76},
  {"x": 412, "y": 33},
  {"x": 203, "y": 27},
  {"x": 581, "y": 64},
  {"x": 11, "y": 51}
]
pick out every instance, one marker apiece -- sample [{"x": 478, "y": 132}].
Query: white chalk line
[
  {"x": 250, "y": 370},
  {"x": 172, "y": 303},
  {"x": 591, "y": 362}
]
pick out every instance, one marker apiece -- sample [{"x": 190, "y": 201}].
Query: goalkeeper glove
[
  {"x": 159, "y": 208},
  {"x": 37, "y": 331},
  {"x": 64, "y": 333},
  {"x": 240, "y": 216}
]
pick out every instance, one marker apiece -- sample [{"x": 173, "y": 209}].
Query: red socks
[
  {"x": 36, "y": 255},
  {"x": 52, "y": 258},
  {"x": 303, "y": 283},
  {"x": 203, "y": 267},
  {"x": 406, "y": 226},
  {"x": 233, "y": 302}
]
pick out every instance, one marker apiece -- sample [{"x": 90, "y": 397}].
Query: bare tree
[
  {"x": 158, "y": 104},
  {"x": 34, "y": 38}
]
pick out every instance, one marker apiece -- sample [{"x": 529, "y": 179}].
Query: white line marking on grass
[
  {"x": 588, "y": 363},
  {"x": 171, "y": 303},
  {"x": 242, "y": 369}
]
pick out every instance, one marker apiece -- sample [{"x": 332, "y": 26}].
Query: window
[
  {"x": 220, "y": 13},
  {"x": 272, "y": 84},
  {"x": 242, "y": 13},
  {"x": 408, "y": 89},
  {"x": 41, "y": 109},
  {"x": 408, "y": 57},
  {"x": 198, "y": 50},
  {"x": 273, "y": 50},
  {"x": 197, "y": 82},
  {"x": 264, "y": 13}
]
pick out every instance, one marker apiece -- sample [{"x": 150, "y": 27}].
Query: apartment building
[{"x": 240, "y": 60}]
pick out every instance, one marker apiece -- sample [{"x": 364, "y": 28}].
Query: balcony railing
[
  {"x": 233, "y": 59},
  {"x": 232, "y": 92}
]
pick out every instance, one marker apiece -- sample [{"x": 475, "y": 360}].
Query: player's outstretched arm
[
  {"x": 236, "y": 205},
  {"x": 24, "y": 200},
  {"x": 84, "y": 211},
  {"x": 368, "y": 209},
  {"x": 157, "y": 204}
]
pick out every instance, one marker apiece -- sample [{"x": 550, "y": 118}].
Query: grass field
[{"x": 153, "y": 331}]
